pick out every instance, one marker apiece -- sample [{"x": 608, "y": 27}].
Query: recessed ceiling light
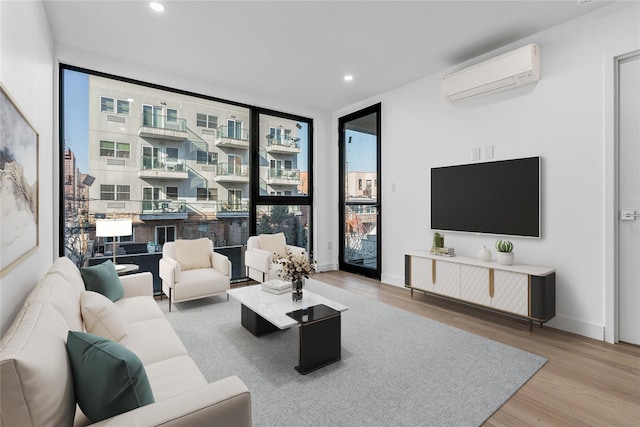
[
  {"x": 348, "y": 78},
  {"x": 156, "y": 6}
]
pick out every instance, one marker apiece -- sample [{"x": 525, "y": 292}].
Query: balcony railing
[
  {"x": 232, "y": 209},
  {"x": 284, "y": 176},
  {"x": 151, "y": 167},
  {"x": 233, "y": 133},
  {"x": 156, "y": 126},
  {"x": 282, "y": 145},
  {"x": 163, "y": 209},
  {"x": 232, "y": 172}
]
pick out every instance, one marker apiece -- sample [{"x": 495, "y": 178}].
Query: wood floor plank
[{"x": 585, "y": 382}]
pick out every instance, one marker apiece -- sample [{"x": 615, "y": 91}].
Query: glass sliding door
[{"x": 360, "y": 209}]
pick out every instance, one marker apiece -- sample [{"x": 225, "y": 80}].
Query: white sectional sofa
[{"x": 37, "y": 387}]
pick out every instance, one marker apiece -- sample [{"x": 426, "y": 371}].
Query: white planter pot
[{"x": 505, "y": 258}]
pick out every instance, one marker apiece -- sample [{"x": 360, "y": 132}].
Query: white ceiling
[{"x": 298, "y": 51}]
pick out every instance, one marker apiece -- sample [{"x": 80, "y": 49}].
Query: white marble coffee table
[
  {"x": 274, "y": 308},
  {"x": 318, "y": 319}
]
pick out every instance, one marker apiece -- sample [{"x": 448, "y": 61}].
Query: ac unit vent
[{"x": 117, "y": 119}]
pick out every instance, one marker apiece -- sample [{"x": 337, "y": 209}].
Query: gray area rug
[{"x": 397, "y": 368}]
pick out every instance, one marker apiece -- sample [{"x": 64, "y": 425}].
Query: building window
[
  {"x": 106, "y": 104},
  {"x": 123, "y": 107},
  {"x": 123, "y": 150},
  {"x": 204, "y": 194},
  {"x": 123, "y": 192},
  {"x": 120, "y": 239},
  {"x": 359, "y": 184},
  {"x": 234, "y": 129},
  {"x": 107, "y": 148},
  {"x": 172, "y": 116},
  {"x": 112, "y": 149},
  {"x": 171, "y": 193},
  {"x": 206, "y": 121},
  {"x": 204, "y": 158},
  {"x": 172, "y": 154},
  {"x": 165, "y": 234},
  {"x": 110, "y": 105},
  {"x": 107, "y": 192}
]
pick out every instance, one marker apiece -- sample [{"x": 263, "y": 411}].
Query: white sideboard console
[{"x": 524, "y": 291}]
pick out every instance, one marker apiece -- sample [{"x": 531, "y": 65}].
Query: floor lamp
[{"x": 113, "y": 228}]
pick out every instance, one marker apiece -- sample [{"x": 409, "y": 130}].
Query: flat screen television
[{"x": 500, "y": 198}]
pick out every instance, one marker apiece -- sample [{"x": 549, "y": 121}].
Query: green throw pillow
[
  {"x": 108, "y": 378},
  {"x": 104, "y": 279}
]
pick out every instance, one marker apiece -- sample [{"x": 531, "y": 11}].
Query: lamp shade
[{"x": 113, "y": 227}]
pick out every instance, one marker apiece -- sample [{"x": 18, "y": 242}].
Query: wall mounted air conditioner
[{"x": 512, "y": 69}]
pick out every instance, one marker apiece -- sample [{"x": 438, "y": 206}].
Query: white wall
[
  {"x": 561, "y": 118},
  {"x": 26, "y": 71}
]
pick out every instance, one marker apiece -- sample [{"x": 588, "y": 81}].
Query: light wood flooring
[{"x": 585, "y": 383}]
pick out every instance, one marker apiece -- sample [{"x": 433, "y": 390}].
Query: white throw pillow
[
  {"x": 274, "y": 243},
  {"x": 101, "y": 316},
  {"x": 192, "y": 254}
]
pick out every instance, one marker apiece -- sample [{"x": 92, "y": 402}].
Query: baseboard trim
[
  {"x": 392, "y": 280},
  {"x": 321, "y": 268},
  {"x": 589, "y": 330}
]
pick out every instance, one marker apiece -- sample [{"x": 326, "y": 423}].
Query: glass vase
[{"x": 296, "y": 289}]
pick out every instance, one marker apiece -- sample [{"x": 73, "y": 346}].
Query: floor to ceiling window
[
  {"x": 283, "y": 194},
  {"x": 178, "y": 165}
]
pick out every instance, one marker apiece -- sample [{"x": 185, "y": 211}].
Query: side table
[{"x": 123, "y": 269}]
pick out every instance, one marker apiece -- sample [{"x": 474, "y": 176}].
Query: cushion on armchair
[
  {"x": 274, "y": 243},
  {"x": 193, "y": 254}
]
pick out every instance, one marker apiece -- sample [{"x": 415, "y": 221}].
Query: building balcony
[
  {"x": 163, "y": 209},
  {"x": 283, "y": 145},
  {"x": 231, "y": 172},
  {"x": 232, "y": 137},
  {"x": 154, "y": 169},
  {"x": 161, "y": 127},
  {"x": 284, "y": 177},
  {"x": 232, "y": 210}
]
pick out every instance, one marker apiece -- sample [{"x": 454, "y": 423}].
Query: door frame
[
  {"x": 342, "y": 265},
  {"x": 611, "y": 256}
]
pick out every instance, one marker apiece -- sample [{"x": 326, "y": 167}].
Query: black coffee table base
[
  {"x": 255, "y": 323},
  {"x": 319, "y": 334}
]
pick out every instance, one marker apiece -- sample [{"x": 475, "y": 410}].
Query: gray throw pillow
[
  {"x": 109, "y": 379},
  {"x": 103, "y": 278}
]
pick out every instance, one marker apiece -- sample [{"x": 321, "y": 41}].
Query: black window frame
[{"x": 255, "y": 198}]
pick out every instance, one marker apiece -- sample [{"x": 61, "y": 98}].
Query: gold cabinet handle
[
  {"x": 433, "y": 272},
  {"x": 491, "y": 289}
]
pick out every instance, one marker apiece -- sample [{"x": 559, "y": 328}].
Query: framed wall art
[{"x": 19, "y": 225}]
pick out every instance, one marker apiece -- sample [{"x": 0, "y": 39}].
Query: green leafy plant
[
  {"x": 438, "y": 240},
  {"x": 504, "y": 246}
]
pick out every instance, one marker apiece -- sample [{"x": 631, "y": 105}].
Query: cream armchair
[
  {"x": 262, "y": 253},
  {"x": 190, "y": 269}
]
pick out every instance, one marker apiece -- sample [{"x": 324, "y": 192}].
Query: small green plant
[
  {"x": 438, "y": 240},
  {"x": 504, "y": 246}
]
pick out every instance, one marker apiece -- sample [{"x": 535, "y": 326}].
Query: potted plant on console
[{"x": 505, "y": 252}]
